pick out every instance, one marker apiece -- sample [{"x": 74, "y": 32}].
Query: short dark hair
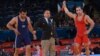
[
  {"x": 79, "y": 7},
  {"x": 22, "y": 10},
  {"x": 46, "y": 10}
]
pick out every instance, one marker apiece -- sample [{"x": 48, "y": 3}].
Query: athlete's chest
[
  {"x": 79, "y": 19},
  {"x": 22, "y": 23}
]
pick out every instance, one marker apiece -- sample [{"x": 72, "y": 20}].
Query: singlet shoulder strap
[
  {"x": 26, "y": 19},
  {"x": 18, "y": 18},
  {"x": 84, "y": 19},
  {"x": 76, "y": 17}
]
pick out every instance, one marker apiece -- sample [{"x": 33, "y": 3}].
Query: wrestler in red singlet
[
  {"x": 81, "y": 28},
  {"x": 81, "y": 19}
]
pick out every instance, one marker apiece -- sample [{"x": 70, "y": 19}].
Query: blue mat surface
[{"x": 93, "y": 55}]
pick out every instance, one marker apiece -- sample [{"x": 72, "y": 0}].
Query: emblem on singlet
[{"x": 23, "y": 26}]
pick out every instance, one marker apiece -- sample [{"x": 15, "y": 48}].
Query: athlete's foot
[
  {"x": 78, "y": 55},
  {"x": 87, "y": 55}
]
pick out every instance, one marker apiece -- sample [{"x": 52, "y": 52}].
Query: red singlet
[{"x": 81, "y": 28}]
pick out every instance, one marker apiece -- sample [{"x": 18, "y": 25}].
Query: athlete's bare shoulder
[
  {"x": 88, "y": 19},
  {"x": 28, "y": 18},
  {"x": 13, "y": 20},
  {"x": 74, "y": 16},
  {"x": 86, "y": 16}
]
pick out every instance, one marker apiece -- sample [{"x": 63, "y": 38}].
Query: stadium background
[{"x": 65, "y": 27}]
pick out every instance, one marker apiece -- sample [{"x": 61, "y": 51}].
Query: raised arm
[{"x": 70, "y": 14}]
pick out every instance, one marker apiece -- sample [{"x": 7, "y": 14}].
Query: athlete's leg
[
  {"x": 27, "y": 42},
  {"x": 77, "y": 44},
  {"x": 16, "y": 52},
  {"x": 17, "y": 45},
  {"x": 77, "y": 50},
  {"x": 28, "y": 50},
  {"x": 86, "y": 45}
]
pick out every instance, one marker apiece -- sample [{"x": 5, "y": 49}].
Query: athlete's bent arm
[
  {"x": 70, "y": 14},
  {"x": 11, "y": 24},
  {"x": 91, "y": 22}
]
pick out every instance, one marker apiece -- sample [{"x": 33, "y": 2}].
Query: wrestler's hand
[
  {"x": 86, "y": 32},
  {"x": 16, "y": 32},
  {"x": 64, "y": 3},
  {"x": 34, "y": 35},
  {"x": 34, "y": 32}
]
